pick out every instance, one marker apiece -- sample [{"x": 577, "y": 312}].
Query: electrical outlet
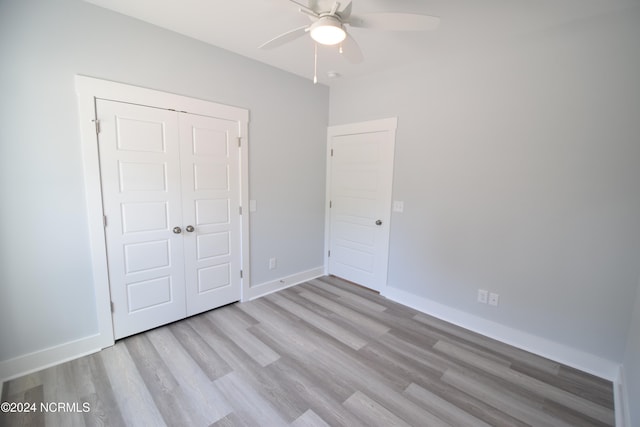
[
  {"x": 273, "y": 263},
  {"x": 483, "y": 296},
  {"x": 494, "y": 299},
  {"x": 398, "y": 206}
]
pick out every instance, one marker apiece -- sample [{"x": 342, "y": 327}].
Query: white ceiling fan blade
[
  {"x": 345, "y": 13},
  {"x": 314, "y": 5},
  {"x": 351, "y": 50},
  {"x": 305, "y": 9},
  {"x": 395, "y": 21},
  {"x": 285, "y": 38},
  {"x": 334, "y": 8}
]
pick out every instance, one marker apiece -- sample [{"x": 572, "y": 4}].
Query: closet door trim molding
[{"x": 90, "y": 89}]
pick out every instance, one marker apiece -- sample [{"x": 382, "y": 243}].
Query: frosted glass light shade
[{"x": 328, "y": 31}]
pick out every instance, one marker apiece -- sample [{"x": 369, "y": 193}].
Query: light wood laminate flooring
[{"x": 325, "y": 352}]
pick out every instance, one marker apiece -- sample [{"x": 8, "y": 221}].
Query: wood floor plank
[
  {"x": 389, "y": 362},
  {"x": 20, "y": 385},
  {"x": 325, "y": 352},
  {"x": 64, "y": 392},
  {"x": 202, "y": 398},
  {"x": 133, "y": 399},
  {"x": 202, "y": 353},
  {"x": 365, "y": 323},
  {"x": 247, "y": 403},
  {"x": 372, "y": 413},
  {"x": 104, "y": 408},
  {"x": 548, "y": 391},
  {"x": 83, "y": 373},
  {"x": 163, "y": 387},
  {"x": 230, "y": 321},
  {"x": 586, "y": 385},
  {"x": 264, "y": 380},
  {"x": 348, "y": 298},
  {"x": 319, "y": 322},
  {"x": 25, "y": 419},
  {"x": 570, "y": 416},
  {"x": 319, "y": 390},
  {"x": 290, "y": 335},
  {"x": 232, "y": 355},
  {"x": 348, "y": 366},
  {"x": 313, "y": 376},
  {"x": 511, "y": 353},
  {"x": 511, "y": 404},
  {"x": 365, "y": 331},
  {"x": 443, "y": 409},
  {"x": 309, "y": 419}
]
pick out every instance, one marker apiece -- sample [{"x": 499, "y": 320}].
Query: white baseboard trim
[
  {"x": 42, "y": 359},
  {"x": 620, "y": 400},
  {"x": 257, "y": 291},
  {"x": 558, "y": 352}
]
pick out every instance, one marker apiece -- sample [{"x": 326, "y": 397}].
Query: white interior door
[
  {"x": 140, "y": 173},
  {"x": 171, "y": 197},
  {"x": 360, "y": 184},
  {"x": 210, "y": 159}
]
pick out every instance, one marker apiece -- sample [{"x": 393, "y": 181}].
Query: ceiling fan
[{"x": 329, "y": 21}]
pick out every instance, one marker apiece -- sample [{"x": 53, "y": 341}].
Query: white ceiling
[{"x": 242, "y": 25}]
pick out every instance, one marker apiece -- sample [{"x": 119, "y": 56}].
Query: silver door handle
[
  {"x": 177, "y": 230},
  {"x": 189, "y": 228},
  {"x": 378, "y": 222}
]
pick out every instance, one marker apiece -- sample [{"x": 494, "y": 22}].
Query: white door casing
[
  {"x": 90, "y": 91},
  {"x": 359, "y": 186}
]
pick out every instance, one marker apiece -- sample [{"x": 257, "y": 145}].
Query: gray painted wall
[
  {"x": 631, "y": 365},
  {"x": 46, "y": 290},
  {"x": 519, "y": 167}
]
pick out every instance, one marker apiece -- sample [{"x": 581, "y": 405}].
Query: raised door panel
[
  {"x": 140, "y": 171},
  {"x": 211, "y": 195}
]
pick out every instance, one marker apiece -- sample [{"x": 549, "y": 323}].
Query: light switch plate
[{"x": 252, "y": 206}]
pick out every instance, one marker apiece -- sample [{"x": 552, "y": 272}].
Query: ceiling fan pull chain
[{"x": 315, "y": 64}]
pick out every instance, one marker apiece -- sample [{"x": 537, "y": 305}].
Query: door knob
[
  {"x": 378, "y": 222},
  {"x": 177, "y": 230},
  {"x": 189, "y": 228}
]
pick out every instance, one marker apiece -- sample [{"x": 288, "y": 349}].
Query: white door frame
[
  {"x": 380, "y": 125},
  {"x": 89, "y": 89}
]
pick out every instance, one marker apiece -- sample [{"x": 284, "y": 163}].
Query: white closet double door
[{"x": 171, "y": 197}]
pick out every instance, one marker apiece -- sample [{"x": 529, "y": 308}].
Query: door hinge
[
  {"x": 332, "y": 152},
  {"x": 239, "y": 141},
  {"x": 329, "y": 254},
  {"x": 104, "y": 220},
  {"x": 113, "y": 307},
  {"x": 241, "y": 274},
  {"x": 96, "y": 122},
  {"x": 240, "y": 210},
  {"x": 330, "y": 204}
]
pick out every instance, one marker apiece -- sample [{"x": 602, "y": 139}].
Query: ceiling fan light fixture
[{"x": 328, "y": 31}]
